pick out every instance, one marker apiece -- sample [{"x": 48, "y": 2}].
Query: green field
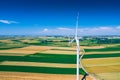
[
  {"x": 49, "y": 70},
  {"x": 51, "y": 58},
  {"x": 5, "y": 46},
  {"x": 113, "y": 48}
]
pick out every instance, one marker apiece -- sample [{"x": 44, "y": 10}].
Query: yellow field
[
  {"x": 15, "y": 63},
  {"x": 34, "y": 49},
  {"x": 26, "y": 50},
  {"x": 35, "y": 76},
  {"x": 12, "y": 54},
  {"x": 100, "y": 62},
  {"x": 65, "y": 48},
  {"x": 25, "y": 40},
  {"x": 103, "y": 69},
  {"x": 6, "y": 41},
  {"x": 92, "y": 47},
  {"x": 108, "y": 76},
  {"x": 59, "y": 52}
]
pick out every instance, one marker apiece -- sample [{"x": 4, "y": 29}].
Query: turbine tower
[
  {"x": 79, "y": 55},
  {"x": 78, "y": 50},
  {"x": 78, "y": 58}
]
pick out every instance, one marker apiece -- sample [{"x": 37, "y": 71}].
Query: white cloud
[
  {"x": 7, "y": 21},
  {"x": 105, "y": 28},
  {"x": 45, "y": 30},
  {"x": 118, "y": 27},
  {"x": 101, "y": 30},
  {"x": 63, "y": 28}
]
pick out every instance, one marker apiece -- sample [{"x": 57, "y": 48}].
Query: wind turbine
[
  {"x": 77, "y": 49},
  {"x": 79, "y": 55}
]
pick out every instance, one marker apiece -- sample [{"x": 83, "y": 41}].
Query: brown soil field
[
  {"x": 35, "y": 49},
  {"x": 103, "y": 69},
  {"x": 15, "y": 63},
  {"x": 92, "y": 47},
  {"x": 108, "y": 76},
  {"x": 12, "y": 54},
  {"x": 35, "y": 76},
  {"x": 100, "y": 62},
  {"x": 6, "y": 41},
  {"x": 25, "y": 40},
  {"x": 26, "y": 50},
  {"x": 59, "y": 52},
  {"x": 65, "y": 48}
]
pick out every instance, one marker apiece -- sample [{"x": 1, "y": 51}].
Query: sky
[{"x": 58, "y": 17}]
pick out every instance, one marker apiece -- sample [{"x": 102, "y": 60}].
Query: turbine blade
[{"x": 71, "y": 41}]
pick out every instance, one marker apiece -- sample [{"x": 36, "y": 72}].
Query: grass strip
[
  {"x": 49, "y": 58},
  {"x": 101, "y": 55},
  {"x": 50, "y": 70}
]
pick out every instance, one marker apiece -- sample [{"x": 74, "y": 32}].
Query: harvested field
[
  {"x": 12, "y": 54},
  {"x": 104, "y": 63},
  {"x": 59, "y": 52},
  {"x": 103, "y": 69},
  {"x": 26, "y": 50},
  {"x": 92, "y": 47},
  {"x": 6, "y": 41},
  {"x": 108, "y": 76},
  {"x": 64, "y": 48},
  {"x": 25, "y": 40},
  {"x": 35, "y": 49},
  {"x": 15, "y": 63},
  {"x": 34, "y": 76},
  {"x": 101, "y": 62}
]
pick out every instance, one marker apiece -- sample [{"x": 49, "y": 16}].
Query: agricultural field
[
  {"x": 52, "y": 58},
  {"x": 103, "y": 63}
]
